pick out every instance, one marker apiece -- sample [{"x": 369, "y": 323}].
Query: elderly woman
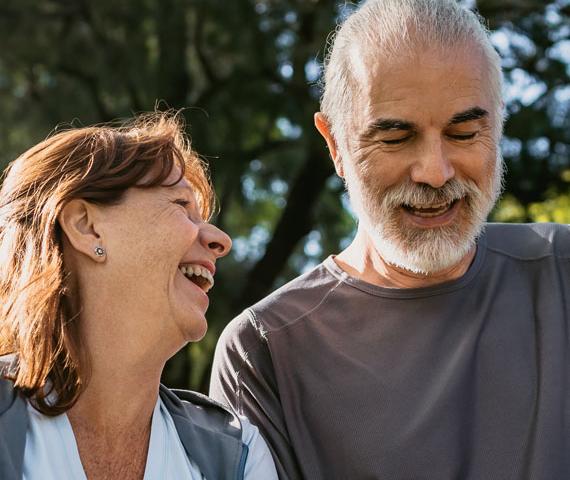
[{"x": 106, "y": 261}]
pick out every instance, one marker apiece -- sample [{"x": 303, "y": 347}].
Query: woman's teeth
[
  {"x": 201, "y": 276},
  {"x": 431, "y": 210}
]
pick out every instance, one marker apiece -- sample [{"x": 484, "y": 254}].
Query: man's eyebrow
[
  {"x": 386, "y": 124},
  {"x": 475, "y": 113}
]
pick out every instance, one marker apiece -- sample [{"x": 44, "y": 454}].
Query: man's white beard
[{"x": 423, "y": 250}]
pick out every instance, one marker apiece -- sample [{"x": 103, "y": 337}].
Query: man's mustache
[{"x": 411, "y": 193}]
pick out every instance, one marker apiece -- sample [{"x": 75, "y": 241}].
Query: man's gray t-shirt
[{"x": 467, "y": 380}]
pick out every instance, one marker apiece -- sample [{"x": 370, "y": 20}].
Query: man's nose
[
  {"x": 215, "y": 240},
  {"x": 432, "y": 165}
]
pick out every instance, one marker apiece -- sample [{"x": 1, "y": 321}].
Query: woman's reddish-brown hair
[{"x": 97, "y": 164}]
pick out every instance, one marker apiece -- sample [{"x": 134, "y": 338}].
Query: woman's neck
[
  {"x": 117, "y": 399},
  {"x": 112, "y": 419}
]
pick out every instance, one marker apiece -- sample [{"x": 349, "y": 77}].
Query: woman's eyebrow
[{"x": 182, "y": 188}]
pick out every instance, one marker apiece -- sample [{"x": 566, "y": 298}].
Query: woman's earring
[{"x": 100, "y": 251}]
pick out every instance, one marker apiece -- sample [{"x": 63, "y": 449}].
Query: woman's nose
[{"x": 216, "y": 240}]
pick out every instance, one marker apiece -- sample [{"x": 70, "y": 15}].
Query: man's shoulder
[
  {"x": 294, "y": 299},
  {"x": 287, "y": 304},
  {"x": 529, "y": 241}
]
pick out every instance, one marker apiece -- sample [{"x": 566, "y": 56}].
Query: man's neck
[{"x": 361, "y": 260}]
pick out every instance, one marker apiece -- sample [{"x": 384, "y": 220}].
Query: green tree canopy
[{"x": 246, "y": 72}]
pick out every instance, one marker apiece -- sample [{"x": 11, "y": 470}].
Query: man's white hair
[{"x": 389, "y": 28}]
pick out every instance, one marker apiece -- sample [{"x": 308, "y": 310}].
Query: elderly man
[{"x": 434, "y": 346}]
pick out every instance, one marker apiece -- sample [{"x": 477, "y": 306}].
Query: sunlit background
[{"x": 247, "y": 73}]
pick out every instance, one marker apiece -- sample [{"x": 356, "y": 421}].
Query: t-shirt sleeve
[{"x": 243, "y": 378}]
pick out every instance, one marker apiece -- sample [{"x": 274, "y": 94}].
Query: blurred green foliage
[{"x": 247, "y": 71}]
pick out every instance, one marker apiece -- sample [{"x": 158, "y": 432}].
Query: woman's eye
[{"x": 184, "y": 203}]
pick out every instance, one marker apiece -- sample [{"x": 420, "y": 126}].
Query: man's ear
[
  {"x": 324, "y": 129},
  {"x": 77, "y": 220}
]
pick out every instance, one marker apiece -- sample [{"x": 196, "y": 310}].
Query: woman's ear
[
  {"x": 78, "y": 222},
  {"x": 323, "y": 127}
]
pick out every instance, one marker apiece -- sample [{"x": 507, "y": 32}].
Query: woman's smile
[{"x": 199, "y": 275}]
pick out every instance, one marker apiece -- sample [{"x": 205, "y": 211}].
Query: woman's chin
[
  {"x": 195, "y": 337},
  {"x": 194, "y": 329}
]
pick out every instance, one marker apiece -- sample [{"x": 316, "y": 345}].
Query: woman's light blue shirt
[{"x": 51, "y": 450}]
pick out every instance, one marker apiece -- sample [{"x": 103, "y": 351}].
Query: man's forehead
[
  {"x": 368, "y": 66},
  {"x": 413, "y": 81}
]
